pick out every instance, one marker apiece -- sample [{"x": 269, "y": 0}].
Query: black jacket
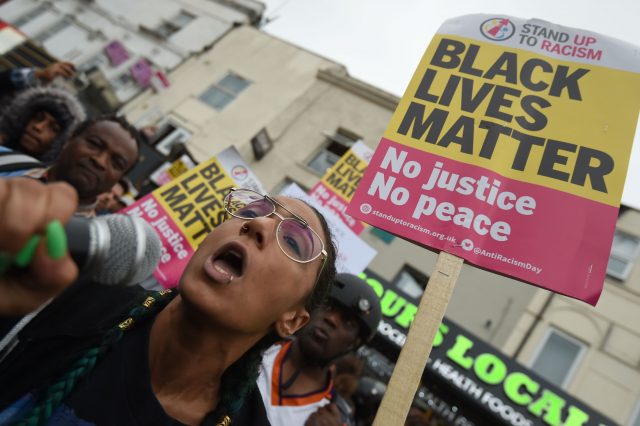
[{"x": 64, "y": 330}]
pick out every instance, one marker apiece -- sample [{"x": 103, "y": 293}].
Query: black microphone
[{"x": 113, "y": 249}]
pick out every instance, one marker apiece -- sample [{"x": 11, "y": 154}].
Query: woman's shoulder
[
  {"x": 55, "y": 338},
  {"x": 86, "y": 308}
]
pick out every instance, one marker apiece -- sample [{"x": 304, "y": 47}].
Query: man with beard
[
  {"x": 96, "y": 157},
  {"x": 296, "y": 377}
]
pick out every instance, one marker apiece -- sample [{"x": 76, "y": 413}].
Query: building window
[
  {"x": 337, "y": 144},
  {"x": 29, "y": 16},
  {"x": 122, "y": 82},
  {"x": 99, "y": 60},
  {"x": 52, "y": 30},
  {"x": 181, "y": 19},
  {"x": 635, "y": 416},
  {"x": 558, "y": 357},
  {"x": 624, "y": 251},
  {"x": 170, "y": 136},
  {"x": 411, "y": 281},
  {"x": 220, "y": 94},
  {"x": 261, "y": 144},
  {"x": 171, "y": 26}
]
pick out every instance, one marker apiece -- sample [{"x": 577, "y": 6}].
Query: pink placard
[
  {"x": 176, "y": 251},
  {"x": 533, "y": 233},
  {"x": 335, "y": 204}
]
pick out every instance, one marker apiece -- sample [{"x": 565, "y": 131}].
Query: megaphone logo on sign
[{"x": 498, "y": 29}]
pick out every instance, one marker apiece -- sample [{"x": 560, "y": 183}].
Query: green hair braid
[
  {"x": 52, "y": 396},
  {"x": 238, "y": 381}
]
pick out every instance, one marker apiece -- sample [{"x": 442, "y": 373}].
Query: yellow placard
[
  {"x": 343, "y": 178},
  {"x": 563, "y": 125},
  {"x": 177, "y": 168},
  {"x": 195, "y": 201}
]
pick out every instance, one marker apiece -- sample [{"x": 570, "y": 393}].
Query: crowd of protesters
[
  {"x": 46, "y": 135},
  {"x": 310, "y": 378}
]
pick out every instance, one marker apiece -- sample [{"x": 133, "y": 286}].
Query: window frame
[
  {"x": 340, "y": 136},
  {"x": 170, "y": 25},
  {"x": 99, "y": 60},
  {"x": 52, "y": 30},
  {"x": 190, "y": 17},
  {"x": 122, "y": 81},
  {"x": 417, "y": 275},
  {"x": 576, "y": 361},
  {"x": 231, "y": 93},
  {"x": 635, "y": 415},
  {"x": 29, "y": 16},
  {"x": 618, "y": 254},
  {"x": 170, "y": 133}
]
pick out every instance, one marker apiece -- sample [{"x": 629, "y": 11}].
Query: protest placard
[
  {"x": 337, "y": 186},
  {"x": 169, "y": 171},
  {"x": 353, "y": 254},
  {"x": 185, "y": 210},
  {"x": 510, "y": 149}
]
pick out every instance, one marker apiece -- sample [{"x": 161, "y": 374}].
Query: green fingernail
[
  {"x": 56, "y": 240},
  {"x": 24, "y": 256},
  {"x": 5, "y": 261}
]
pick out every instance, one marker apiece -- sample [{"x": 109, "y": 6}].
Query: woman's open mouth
[{"x": 227, "y": 264}]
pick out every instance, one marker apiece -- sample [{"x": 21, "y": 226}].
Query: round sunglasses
[{"x": 295, "y": 237}]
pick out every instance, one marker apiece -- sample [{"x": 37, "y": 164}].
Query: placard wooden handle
[{"x": 413, "y": 357}]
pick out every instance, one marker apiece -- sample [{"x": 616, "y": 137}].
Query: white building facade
[
  {"x": 129, "y": 42},
  {"x": 593, "y": 353}
]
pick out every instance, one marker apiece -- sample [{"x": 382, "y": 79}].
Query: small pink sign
[
  {"x": 336, "y": 204},
  {"x": 176, "y": 251}
]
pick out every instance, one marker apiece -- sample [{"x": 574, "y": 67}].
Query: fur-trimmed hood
[{"x": 63, "y": 105}]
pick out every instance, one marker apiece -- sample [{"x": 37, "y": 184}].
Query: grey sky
[{"x": 381, "y": 41}]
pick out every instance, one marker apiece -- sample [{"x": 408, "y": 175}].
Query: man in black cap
[{"x": 296, "y": 377}]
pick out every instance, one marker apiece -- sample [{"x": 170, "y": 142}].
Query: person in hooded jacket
[{"x": 36, "y": 124}]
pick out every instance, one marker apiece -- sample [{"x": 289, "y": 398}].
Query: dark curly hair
[{"x": 327, "y": 276}]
